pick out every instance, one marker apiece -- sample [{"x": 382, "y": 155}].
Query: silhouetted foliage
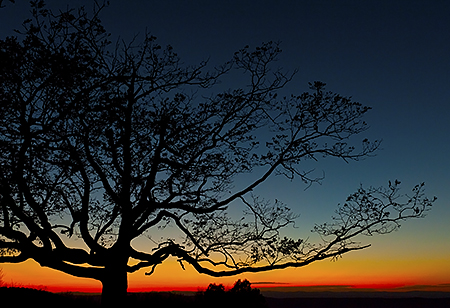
[
  {"x": 214, "y": 294},
  {"x": 240, "y": 295},
  {"x": 214, "y": 291},
  {"x": 110, "y": 143}
]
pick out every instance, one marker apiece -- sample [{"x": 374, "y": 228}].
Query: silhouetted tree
[
  {"x": 240, "y": 295},
  {"x": 243, "y": 293},
  {"x": 110, "y": 143},
  {"x": 215, "y": 289},
  {"x": 214, "y": 294}
]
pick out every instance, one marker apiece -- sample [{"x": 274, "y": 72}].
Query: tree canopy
[{"x": 108, "y": 142}]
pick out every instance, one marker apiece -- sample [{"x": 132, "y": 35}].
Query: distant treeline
[{"x": 217, "y": 296}]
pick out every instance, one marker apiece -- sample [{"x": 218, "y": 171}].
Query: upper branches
[
  {"x": 376, "y": 211},
  {"x": 108, "y": 142},
  {"x": 241, "y": 246}
]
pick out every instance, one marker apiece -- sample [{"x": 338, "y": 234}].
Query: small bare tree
[{"x": 109, "y": 144}]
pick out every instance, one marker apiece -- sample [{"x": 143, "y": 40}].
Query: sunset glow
[{"x": 343, "y": 275}]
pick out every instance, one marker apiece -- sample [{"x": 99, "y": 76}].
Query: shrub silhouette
[
  {"x": 214, "y": 293},
  {"x": 240, "y": 295}
]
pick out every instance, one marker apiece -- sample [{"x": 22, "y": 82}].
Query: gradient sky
[{"x": 391, "y": 55}]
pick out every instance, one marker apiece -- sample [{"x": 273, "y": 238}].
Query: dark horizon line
[{"x": 270, "y": 287}]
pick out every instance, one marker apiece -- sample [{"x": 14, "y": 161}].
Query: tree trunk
[{"x": 114, "y": 287}]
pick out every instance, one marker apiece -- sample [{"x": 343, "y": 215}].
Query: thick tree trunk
[{"x": 115, "y": 285}]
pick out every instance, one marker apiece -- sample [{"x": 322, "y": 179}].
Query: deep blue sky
[{"x": 391, "y": 55}]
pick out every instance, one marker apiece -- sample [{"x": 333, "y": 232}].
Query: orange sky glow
[{"x": 348, "y": 274}]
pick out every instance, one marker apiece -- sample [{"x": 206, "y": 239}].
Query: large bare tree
[{"x": 108, "y": 143}]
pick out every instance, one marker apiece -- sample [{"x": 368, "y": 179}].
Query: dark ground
[{"x": 24, "y": 297}]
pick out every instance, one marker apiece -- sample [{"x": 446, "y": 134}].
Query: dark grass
[{"x": 26, "y": 297}]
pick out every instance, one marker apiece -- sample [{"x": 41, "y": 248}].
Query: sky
[{"x": 390, "y": 55}]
